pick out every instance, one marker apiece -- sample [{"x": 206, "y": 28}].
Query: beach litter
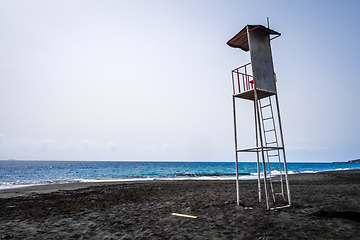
[{"x": 183, "y": 215}]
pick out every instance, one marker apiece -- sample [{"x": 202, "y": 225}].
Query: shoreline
[
  {"x": 325, "y": 205},
  {"x": 32, "y": 190}
]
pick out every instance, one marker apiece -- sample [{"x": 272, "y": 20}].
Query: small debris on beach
[{"x": 183, "y": 215}]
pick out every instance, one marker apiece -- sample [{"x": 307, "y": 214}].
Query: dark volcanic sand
[{"x": 325, "y": 206}]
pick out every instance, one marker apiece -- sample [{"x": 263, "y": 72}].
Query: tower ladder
[{"x": 272, "y": 156}]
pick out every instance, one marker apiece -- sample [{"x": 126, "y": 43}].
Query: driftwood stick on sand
[{"x": 183, "y": 215}]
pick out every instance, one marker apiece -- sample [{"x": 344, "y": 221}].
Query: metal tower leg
[
  {"x": 262, "y": 148},
  {"x": 236, "y": 156},
  {"x": 283, "y": 145},
  {"x": 257, "y": 153}
]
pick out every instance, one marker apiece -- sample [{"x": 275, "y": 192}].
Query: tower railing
[{"x": 242, "y": 79}]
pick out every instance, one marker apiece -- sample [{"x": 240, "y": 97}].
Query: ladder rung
[
  {"x": 270, "y": 130},
  {"x": 273, "y": 155},
  {"x": 271, "y": 142},
  {"x": 267, "y": 118},
  {"x": 266, "y": 105}
]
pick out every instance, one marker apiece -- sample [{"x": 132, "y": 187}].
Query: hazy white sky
[{"x": 151, "y": 80}]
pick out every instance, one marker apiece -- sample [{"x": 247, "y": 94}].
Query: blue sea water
[{"x": 15, "y": 173}]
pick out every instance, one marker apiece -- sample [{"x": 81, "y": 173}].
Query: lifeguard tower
[{"x": 256, "y": 81}]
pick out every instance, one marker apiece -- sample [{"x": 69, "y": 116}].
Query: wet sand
[{"x": 325, "y": 206}]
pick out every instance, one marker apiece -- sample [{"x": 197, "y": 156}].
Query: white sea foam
[
  {"x": 12, "y": 185},
  {"x": 4, "y": 186},
  {"x": 184, "y": 176}
]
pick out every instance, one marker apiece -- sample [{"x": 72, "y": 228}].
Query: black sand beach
[{"x": 325, "y": 206}]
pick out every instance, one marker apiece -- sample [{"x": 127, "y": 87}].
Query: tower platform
[{"x": 250, "y": 95}]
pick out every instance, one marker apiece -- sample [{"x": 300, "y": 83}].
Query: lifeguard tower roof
[{"x": 240, "y": 40}]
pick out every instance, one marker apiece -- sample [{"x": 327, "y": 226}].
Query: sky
[{"x": 151, "y": 80}]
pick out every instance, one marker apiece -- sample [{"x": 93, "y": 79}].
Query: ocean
[{"x": 15, "y": 173}]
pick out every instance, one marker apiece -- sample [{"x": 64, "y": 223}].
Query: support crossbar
[{"x": 258, "y": 149}]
